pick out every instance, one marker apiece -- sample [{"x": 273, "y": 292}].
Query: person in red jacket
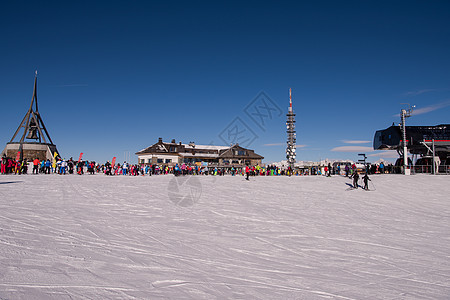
[
  {"x": 9, "y": 166},
  {"x": 3, "y": 164},
  {"x": 247, "y": 172},
  {"x": 36, "y": 163}
]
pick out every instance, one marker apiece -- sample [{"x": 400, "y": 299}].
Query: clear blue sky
[{"x": 116, "y": 75}]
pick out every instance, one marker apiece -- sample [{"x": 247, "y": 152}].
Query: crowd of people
[
  {"x": 10, "y": 166},
  {"x": 63, "y": 167}
]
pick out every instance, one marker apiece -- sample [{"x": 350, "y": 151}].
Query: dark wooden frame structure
[{"x": 34, "y": 130}]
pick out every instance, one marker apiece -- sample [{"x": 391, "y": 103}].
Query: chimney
[{"x": 160, "y": 140}]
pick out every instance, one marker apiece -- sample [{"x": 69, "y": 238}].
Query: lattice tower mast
[{"x": 291, "y": 135}]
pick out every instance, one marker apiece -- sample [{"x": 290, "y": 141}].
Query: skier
[
  {"x": 355, "y": 176},
  {"x": 247, "y": 172},
  {"x": 124, "y": 168},
  {"x": 347, "y": 169},
  {"x": 58, "y": 170},
  {"x": 63, "y": 168},
  {"x": 80, "y": 166},
  {"x": 17, "y": 165},
  {"x": 10, "y": 165},
  {"x": 108, "y": 168},
  {"x": 3, "y": 164},
  {"x": 42, "y": 166},
  {"x": 70, "y": 165},
  {"x": 47, "y": 166},
  {"x": 366, "y": 181},
  {"x": 24, "y": 166},
  {"x": 36, "y": 164}
]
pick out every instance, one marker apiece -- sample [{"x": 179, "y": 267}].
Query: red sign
[{"x": 18, "y": 156}]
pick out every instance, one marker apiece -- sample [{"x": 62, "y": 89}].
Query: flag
[
  {"x": 113, "y": 161},
  {"x": 54, "y": 160},
  {"x": 81, "y": 155},
  {"x": 18, "y": 156}
]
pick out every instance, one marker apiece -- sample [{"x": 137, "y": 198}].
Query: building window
[
  {"x": 159, "y": 160},
  {"x": 168, "y": 161},
  {"x": 241, "y": 153},
  {"x": 142, "y": 161}
]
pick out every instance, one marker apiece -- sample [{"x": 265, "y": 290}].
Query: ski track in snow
[{"x": 98, "y": 237}]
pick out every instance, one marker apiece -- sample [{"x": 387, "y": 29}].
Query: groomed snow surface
[{"x": 161, "y": 237}]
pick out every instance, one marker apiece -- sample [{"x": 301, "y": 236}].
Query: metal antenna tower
[{"x": 291, "y": 135}]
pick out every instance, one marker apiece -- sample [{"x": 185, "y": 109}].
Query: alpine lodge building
[{"x": 163, "y": 153}]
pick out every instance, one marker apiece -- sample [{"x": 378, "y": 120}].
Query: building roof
[
  {"x": 249, "y": 154},
  {"x": 206, "y": 147},
  {"x": 210, "y": 155}
]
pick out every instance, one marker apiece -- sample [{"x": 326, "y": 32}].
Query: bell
[{"x": 32, "y": 134}]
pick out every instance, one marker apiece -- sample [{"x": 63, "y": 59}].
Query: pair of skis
[
  {"x": 353, "y": 188},
  {"x": 367, "y": 190}
]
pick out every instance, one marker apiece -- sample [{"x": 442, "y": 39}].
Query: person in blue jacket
[{"x": 47, "y": 166}]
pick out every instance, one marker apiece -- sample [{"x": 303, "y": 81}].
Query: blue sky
[{"x": 114, "y": 76}]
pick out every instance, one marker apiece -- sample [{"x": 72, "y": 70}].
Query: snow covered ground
[{"x": 161, "y": 237}]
